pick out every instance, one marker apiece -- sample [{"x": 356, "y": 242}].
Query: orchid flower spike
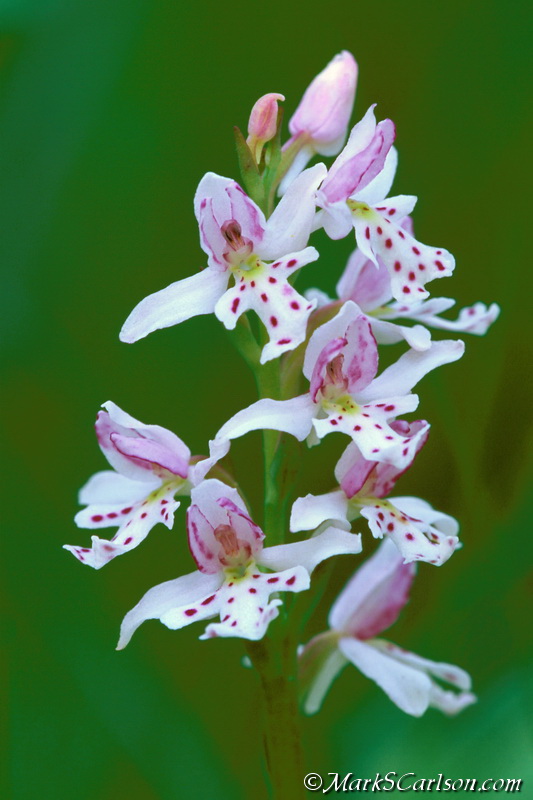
[
  {"x": 369, "y": 604},
  {"x": 151, "y": 466},
  {"x": 341, "y": 362},
  {"x": 230, "y": 581},
  {"x": 419, "y": 532},
  {"x": 320, "y": 123},
  {"x": 370, "y": 288},
  {"x": 353, "y": 196},
  {"x": 261, "y": 256}
]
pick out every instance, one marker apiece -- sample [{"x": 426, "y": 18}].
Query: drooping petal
[
  {"x": 448, "y": 673},
  {"x": 319, "y": 663},
  {"x": 134, "y": 521},
  {"x": 190, "y": 297},
  {"x": 410, "y": 368},
  {"x": 312, "y": 510},
  {"x": 292, "y": 416},
  {"x": 373, "y": 598},
  {"x": 310, "y": 552},
  {"x": 289, "y": 227},
  {"x": 267, "y": 291},
  {"x": 408, "y": 688},
  {"x": 449, "y": 702},
  {"x": 245, "y": 606},
  {"x": 188, "y": 591},
  {"x": 410, "y": 263},
  {"x": 416, "y": 538}
]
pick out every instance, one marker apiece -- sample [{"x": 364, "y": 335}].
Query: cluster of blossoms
[{"x": 329, "y": 382}]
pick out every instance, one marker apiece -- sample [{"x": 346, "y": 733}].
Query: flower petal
[
  {"x": 364, "y": 283},
  {"x": 379, "y": 187},
  {"x": 289, "y": 227},
  {"x": 268, "y": 292},
  {"x": 411, "y": 264},
  {"x": 292, "y": 416},
  {"x": 312, "y": 510},
  {"x": 184, "y": 592},
  {"x": 369, "y": 428},
  {"x": 319, "y": 663},
  {"x": 310, "y": 552},
  {"x": 333, "y": 329},
  {"x": 324, "y": 111},
  {"x": 408, "y": 688},
  {"x": 190, "y": 297},
  {"x": 474, "y": 319},
  {"x": 416, "y": 539},
  {"x": 111, "y": 487},
  {"x": 220, "y": 200},
  {"x": 374, "y": 597},
  {"x": 245, "y": 609},
  {"x": 410, "y": 368},
  {"x": 134, "y": 522}
]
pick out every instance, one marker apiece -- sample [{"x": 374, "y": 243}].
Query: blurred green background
[{"x": 109, "y": 115}]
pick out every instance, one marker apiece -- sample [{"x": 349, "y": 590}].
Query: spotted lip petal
[
  {"x": 429, "y": 536},
  {"x": 134, "y": 521},
  {"x": 245, "y": 606},
  {"x": 410, "y": 263},
  {"x": 267, "y": 291}
]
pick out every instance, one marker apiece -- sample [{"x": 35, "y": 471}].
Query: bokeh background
[{"x": 109, "y": 115}]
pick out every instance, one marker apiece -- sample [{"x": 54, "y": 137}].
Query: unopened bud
[
  {"x": 263, "y": 122},
  {"x": 325, "y": 109}
]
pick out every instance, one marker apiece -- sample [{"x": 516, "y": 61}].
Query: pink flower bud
[
  {"x": 325, "y": 109},
  {"x": 263, "y": 125}
]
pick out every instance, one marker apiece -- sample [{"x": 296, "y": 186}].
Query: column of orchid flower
[{"x": 316, "y": 365}]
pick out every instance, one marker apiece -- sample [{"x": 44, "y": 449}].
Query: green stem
[{"x": 275, "y": 662}]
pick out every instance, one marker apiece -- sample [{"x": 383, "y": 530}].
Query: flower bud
[
  {"x": 325, "y": 109},
  {"x": 263, "y": 122}
]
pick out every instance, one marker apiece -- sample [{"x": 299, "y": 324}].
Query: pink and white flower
[
  {"x": 261, "y": 256},
  {"x": 370, "y": 288},
  {"x": 151, "y": 466},
  {"x": 353, "y": 196},
  {"x": 320, "y": 123},
  {"x": 341, "y": 363},
  {"x": 230, "y": 582},
  {"x": 419, "y": 532},
  {"x": 369, "y": 604}
]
